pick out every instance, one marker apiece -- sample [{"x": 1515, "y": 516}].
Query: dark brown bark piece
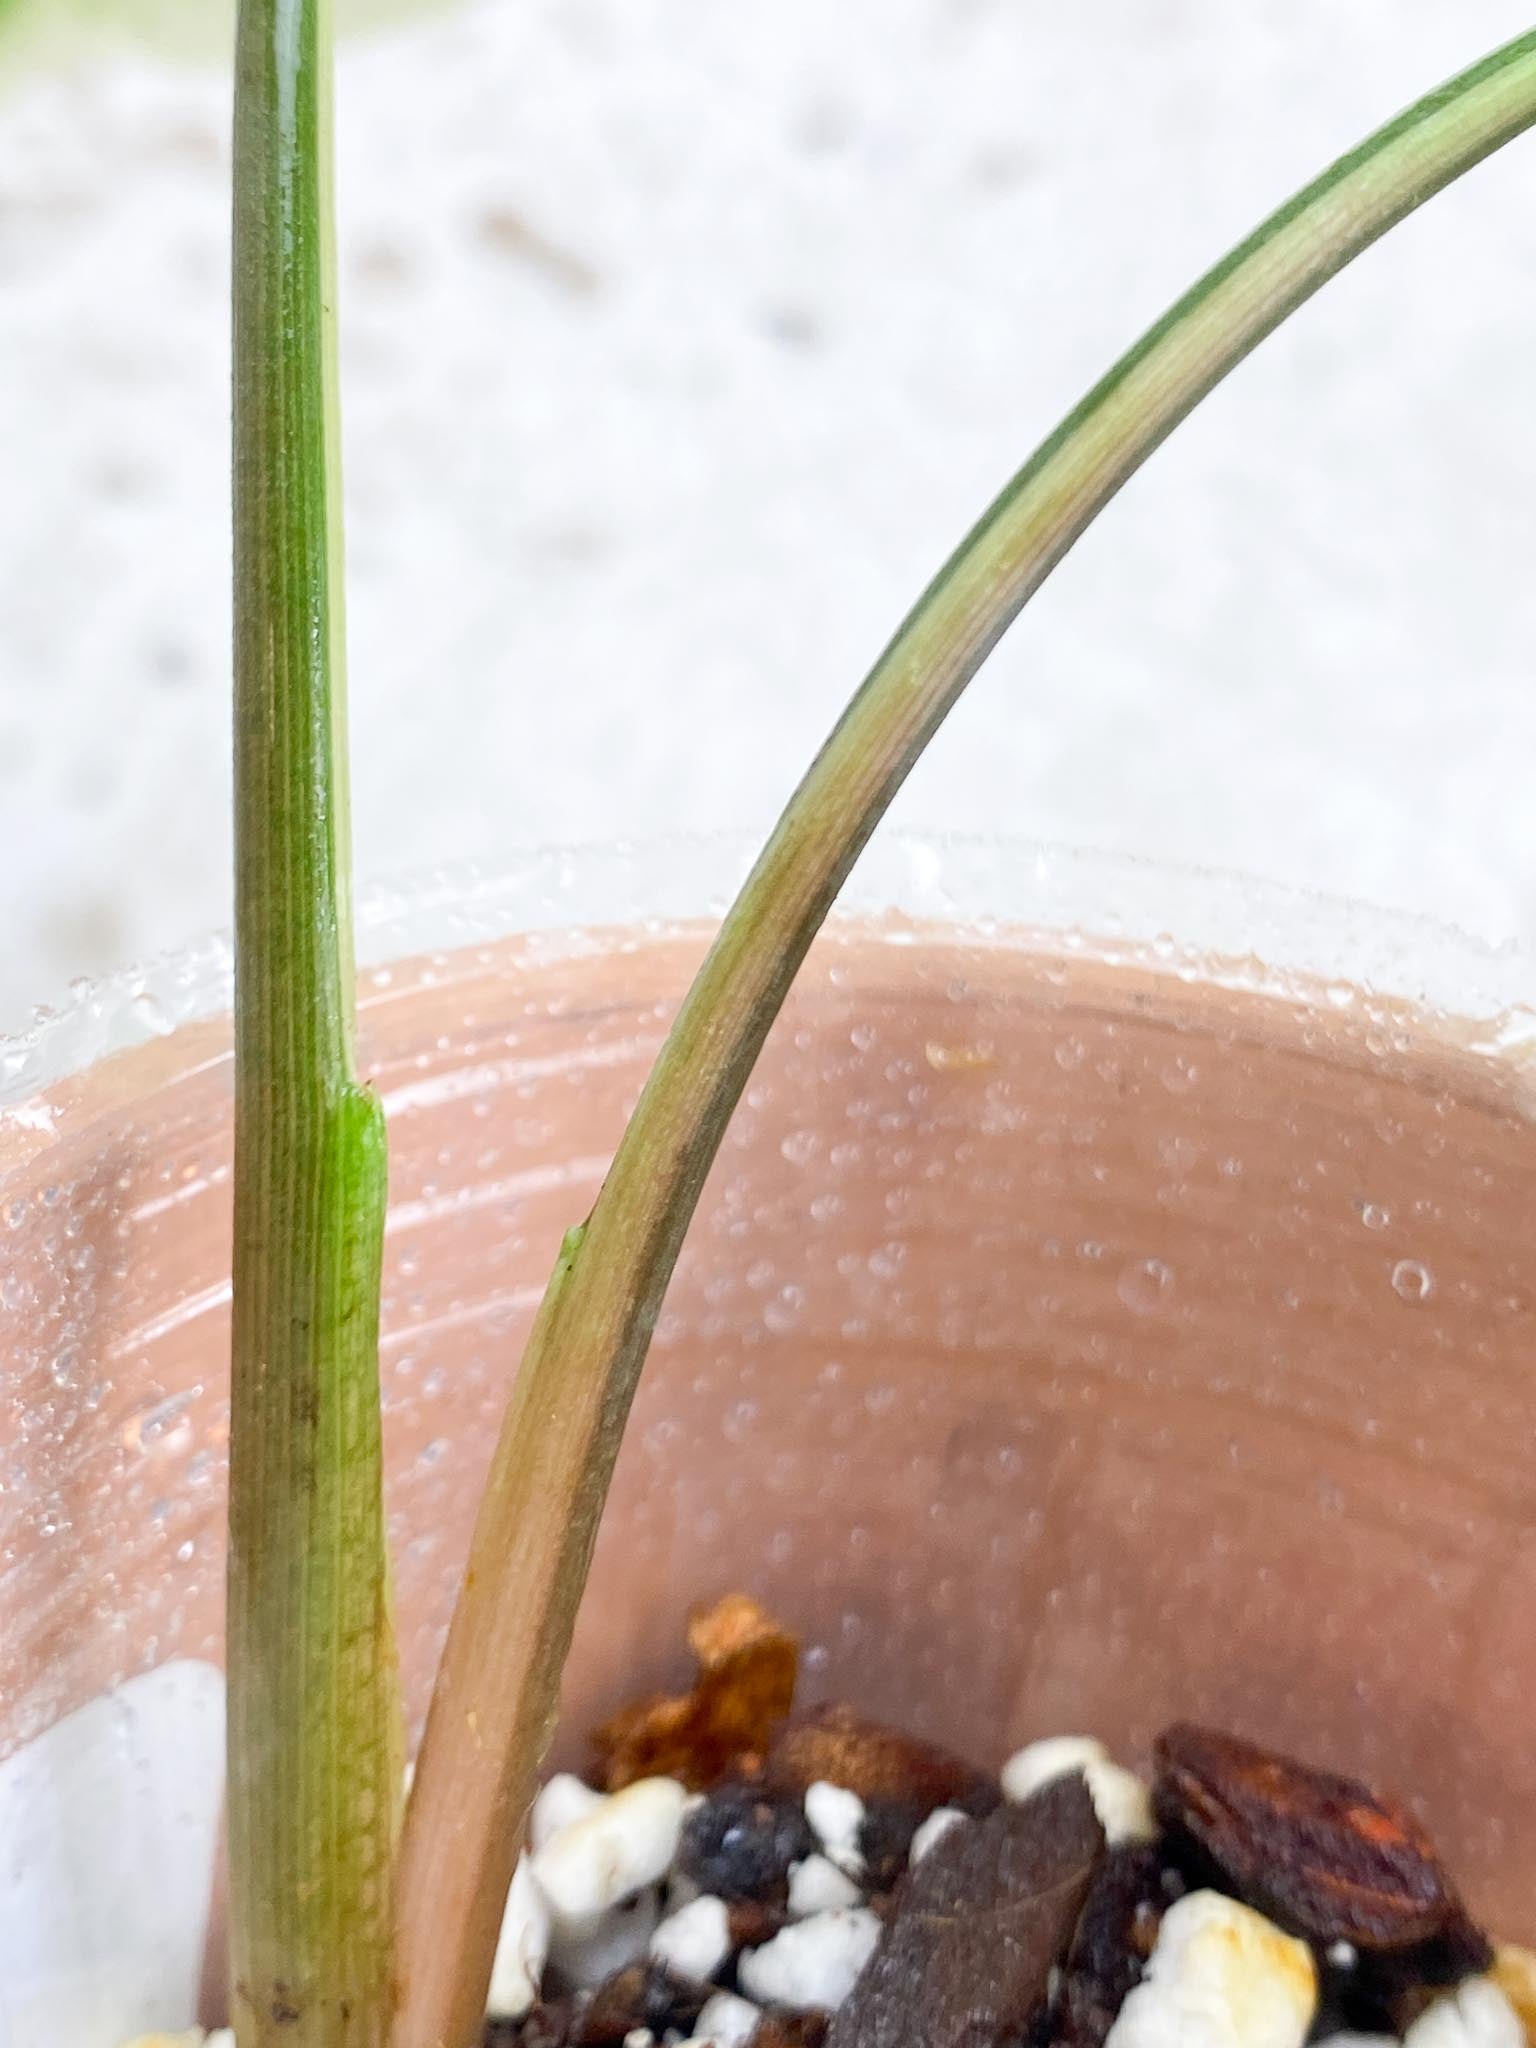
[
  {"x": 548, "y": 2025},
  {"x": 880, "y": 1764},
  {"x": 977, "y": 1928},
  {"x": 885, "y": 1840},
  {"x": 643, "y": 1995},
  {"x": 1115, "y": 1936},
  {"x": 780, "y": 2029},
  {"x": 751, "y": 1922},
  {"x": 1388, "y": 1988},
  {"x": 1320, "y": 1855}
]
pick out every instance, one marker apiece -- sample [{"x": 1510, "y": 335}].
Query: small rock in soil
[
  {"x": 977, "y": 1929},
  {"x": 740, "y": 1843}
]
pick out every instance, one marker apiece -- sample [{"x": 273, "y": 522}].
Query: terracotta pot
[{"x": 1078, "y": 1330}]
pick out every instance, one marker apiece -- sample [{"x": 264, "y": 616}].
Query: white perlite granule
[
  {"x": 1475, "y": 2015},
  {"x": 695, "y": 1940},
  {"x": 931, "y": 1832},
  {"x": 817, "y": 1885},
  {"x": 1120, "y": 1799},
  {"x": 727, "y": 2020},
  {"x": 1220, "y": 1976},
  {"x": 565, "y": 1798},
  {"x": 836, "y": 1817},
  {"x": 522, "y": 1949},
  {"x": 587, "y": 1957},
  {"x": 811, "y": 1962},
  {"x": 623, "y": 1843}
]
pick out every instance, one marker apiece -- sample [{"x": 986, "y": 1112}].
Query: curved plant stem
[
  {"x": 497, "y": 1691},
  {"x": 314, "y": 1753}
]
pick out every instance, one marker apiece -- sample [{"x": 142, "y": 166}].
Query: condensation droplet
[
  {"x": 783, "y": 1312},
  {"x": 1374, "y": 1216},
  {"x": 1145, "y": 1285},
  {"x": 738, "y": 1420},
  {"x": 1412, "y": 1280},
  {"x": 163, "y": 1428}
]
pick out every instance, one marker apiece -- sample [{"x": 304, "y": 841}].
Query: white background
[{"x": 681, "y": 341}]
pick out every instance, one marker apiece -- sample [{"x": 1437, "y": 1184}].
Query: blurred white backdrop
[{"x": 680, "y": 342}]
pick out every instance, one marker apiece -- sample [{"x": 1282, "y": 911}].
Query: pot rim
[{"x": 1207, "y": 923}]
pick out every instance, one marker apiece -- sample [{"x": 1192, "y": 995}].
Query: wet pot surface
[{"x": 1058, "y": 1346}]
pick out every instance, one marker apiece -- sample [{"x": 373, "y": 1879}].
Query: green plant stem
[
  {"x": 497, "y": 1692},
  {"x": 314, "y": 1747}
]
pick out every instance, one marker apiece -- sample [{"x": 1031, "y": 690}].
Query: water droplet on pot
[
  {"x": 163, "y": 1427},
  {"x": 1145, "y": 1285},
  {"x": 1412, "y": 1280},
  {"x": 783, "y": 1312},
  {"x": 801, "y": 1147}
]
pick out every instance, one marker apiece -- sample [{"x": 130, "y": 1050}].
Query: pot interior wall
[{"x": 1057, "y": 1346}]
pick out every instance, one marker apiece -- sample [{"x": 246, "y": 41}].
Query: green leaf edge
[
  {"x": 314, "y": 1735},
  {"x": 532, "y": 1543}
]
